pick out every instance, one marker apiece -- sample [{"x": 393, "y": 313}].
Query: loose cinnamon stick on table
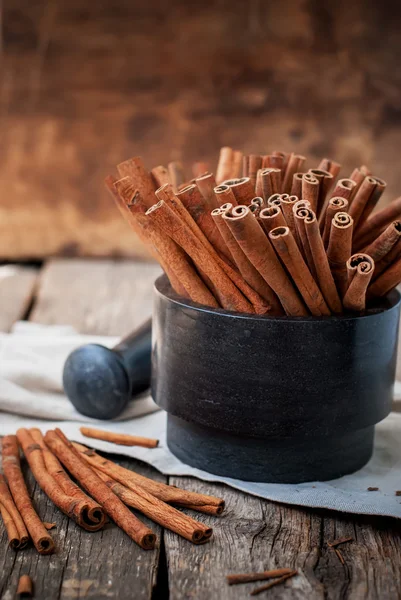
[
  {"x": 261, "y": 300},
  {"x": 360, "y": 269},
  {"x": 141, "y": 178},
  {"x": 75, "y": 508},
  {"x": 377, "y": 223},
  {"x": 286, "y": 247},
  {"x": 259, "y": 251},
  {"x": 93, "y": 514},
  {"x": 310, "y": 190},
  {"x": 336, "y": 204},
  {"x": 322, "y": 269},
  {"x": 339, "y": 541},
  {"x": 225, "y": 164},
  {"x": 282, "y": 579},
  {"x": 249, "y": 577},
  {"x": 116, "y": 510},
  {"x": 122, "y": 439},
  {"x": 176, "y": 174},
  {"x": 366, "y": 199},
  {"x": 242, "y": 188},
  {"x": 25, "y": 587},
  {"x": 13, "y": 522},
  {"x": 159, "y": 511},
  {"x": 206, "y": 184},
  {"x": 42, "y": 540},
  {"x": 173, "y": 495},
  {"x": 340, "y": 249}
]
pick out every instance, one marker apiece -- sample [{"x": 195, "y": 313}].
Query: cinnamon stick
[
  {"x": 325, "y": 182},
  {"x": 339, "y": 541},
  {"x": 225, "y": 195},
  {"x": 295, "y": 163},
  {"x": 13, "y": 522},
  {"x": 336, "y": 204},
  {"x": 200, "y": 502},
  {"x": 122, "y": 439},
  {"x": 360, "y": 269},
  {"x": 310, "y": 190},
  {"x": 206, "y": 184},
  {"x": 366, "y": 199},
  {"x": 176, "y": 174},
  {"x": 333, "y": 167},
  {"x": 75, "y": 508},
  {"x": 160, "y": 512},
  {"x": 249, "y": 577},
  {"x": 274, "y": 161},
  {"x": 296, "y": 187},
  {"x": 116, "y": 510},
  {"x": 377, "y": 222},
  {"x": 340, "y": 249},
  {"x": 388, "y": 259},
  {"x": 287, "y": 206},
  {"x": 300, "y": 213},
  {"x": 92, "y": 514},
  {"x": 322, "y": 269},
  {"x": 268, "y": 182},
  {"x": 227, "y": 293},
  {"x": 274, "y": 200},
  {"x": 261, "y": 300},
  {"x": 242, "y": 188},
  {"x": 272, "y": 217},
  {"x": 160, "y": 176},
  {"x": 385, "y": 242},
  {"x": 358, "y": 175},
  {"x": 141, "y": 179},
  {"x": 25, "y": 587},
  {"x": 255, "y": 163},
  {"x": 199, "y": 168},
  {"x": 236, "y": 165},
  {"x": 286, "y": 247},
  {"x": 42, "y": 540},
  {"x": 387, "y": 281},
  {"x": 225, "y": 164},
  {"x": 282, "y": 579},
  {"x": 259, "y": 251},
  {"x": 344, "y": 189}
]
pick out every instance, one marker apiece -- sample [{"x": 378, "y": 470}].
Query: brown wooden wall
[{"x": 86, "y": 84}]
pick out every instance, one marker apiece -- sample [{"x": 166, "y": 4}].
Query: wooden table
[{"x": 112, "y": 297}]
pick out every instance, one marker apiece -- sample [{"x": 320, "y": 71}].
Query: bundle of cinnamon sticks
[
  {"x": 266, "y": 234},
  {"x": 103, "y": 489}
]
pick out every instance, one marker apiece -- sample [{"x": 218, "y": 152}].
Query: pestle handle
[{"x": 100, "y": 381}]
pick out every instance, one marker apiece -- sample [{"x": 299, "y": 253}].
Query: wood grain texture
[
  {"x": 105, "y": 298},
  {"x": 255, "y": 535},
  {"x": 17, "y": 287},
  {"x": 85, "y": 85}
]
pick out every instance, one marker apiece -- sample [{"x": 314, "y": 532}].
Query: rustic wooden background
[{"x": 87, "y": 84}]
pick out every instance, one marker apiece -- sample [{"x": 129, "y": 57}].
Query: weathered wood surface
[
  {"x": 252, "y": 534},
  {"x": 106, "y": 298},
  {"x": 87, "y": 84},
  {"x": 17, "y": 286}
]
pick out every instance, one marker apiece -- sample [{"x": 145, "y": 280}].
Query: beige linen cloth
[{"x": 31, "y": 363}]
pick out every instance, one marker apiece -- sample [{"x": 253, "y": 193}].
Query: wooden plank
[
  {"x": 17, "y": 286},
  {"x": 103, "y": 298},
  {"x": 66, "y": 122},
  {"x": 255, "y": 535}
]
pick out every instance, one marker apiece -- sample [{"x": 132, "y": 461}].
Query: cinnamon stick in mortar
[
  {"x": 93, "y": 514},
  {"x": 141, "y": 179},
  {"x": 360, "y": 269},
  {"x": 366, "y": 199},
  {"x": 340, "y": 249},
  {"x": 288, "y": 251},
  {"x": 388, "y": 259},
  {"x": 224, "y": 165},
  {"x": 42, "y": 540},
  {"x": 160, "y": 512},
  {"x": 13, "y": 522},
  {"x": 122, "y": 439},
  {"x": 335, "y": 205},
  {"x": 259, "y": 251},
  {"x": 263, "y": 292},
  {"x": 116, "y": 510},
  {"x": 76, "y": 509},
  {"x": 300, "y": 214},
  {"x": 200, "y": 502},
  {"x": 376, "y": 223},
  {"x": 387, "y": 281}
]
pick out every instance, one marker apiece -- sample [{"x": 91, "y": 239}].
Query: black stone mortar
[{"x": 272, "y": 399}]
